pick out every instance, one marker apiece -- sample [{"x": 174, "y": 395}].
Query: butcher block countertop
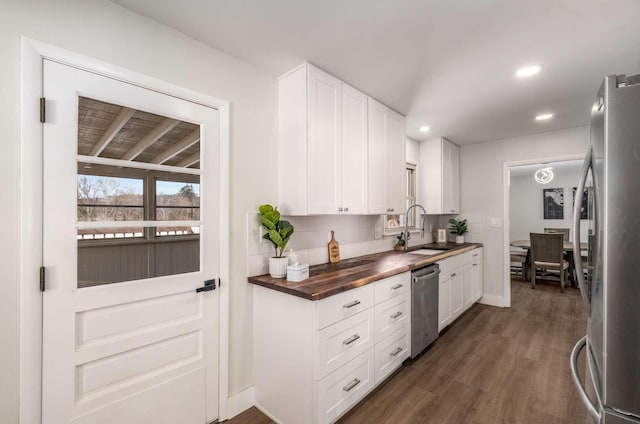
[{"x": 328, "y": 279}]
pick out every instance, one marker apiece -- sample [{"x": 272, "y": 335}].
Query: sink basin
[{"x": 427, "y": 251}]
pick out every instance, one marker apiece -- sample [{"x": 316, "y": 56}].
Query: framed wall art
[{"x": 553, "y": 203}]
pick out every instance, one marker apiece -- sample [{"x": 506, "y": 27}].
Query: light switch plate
[{"x": 496, "y": 222}]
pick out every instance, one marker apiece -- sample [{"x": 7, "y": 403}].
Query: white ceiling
[{"x": 446, "y": 64}]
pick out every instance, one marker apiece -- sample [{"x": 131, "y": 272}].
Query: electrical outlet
[{"x": 377, "y": 233}]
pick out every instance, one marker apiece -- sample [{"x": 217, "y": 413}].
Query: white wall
[
  {"x": 481, "y": 179},
  {"x": 525, "y": 204},
  {"x": 102, "y": 30}
]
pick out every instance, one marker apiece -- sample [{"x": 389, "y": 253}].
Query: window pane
[
  {"x": 177, "y": 201},
  {"x": 104, "y": 198},
  {"x": 126, "y": 259}
]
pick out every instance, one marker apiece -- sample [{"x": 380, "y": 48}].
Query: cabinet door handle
[
  {"x": 475, "y": 264},
  {"x": 396, "y": 352},
  {"x": 475, "y": 256},
  {"x": 346, "y": 209},
  {"x": 350, "y": 340},
  {"x": 452, "y": 210},
  {"x": 397, "y": 286},
  {"x": 396, "y": 315},
  {"x": 351, "y": 304},
  {"x": 454, "y": 274},
  {"x": 351, "y": 385},
  {"x": 339, "y": 209},
  {"x": 392, "y": 209}
]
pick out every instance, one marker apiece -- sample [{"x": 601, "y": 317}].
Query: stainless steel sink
[{"x": 427, "y": 251}]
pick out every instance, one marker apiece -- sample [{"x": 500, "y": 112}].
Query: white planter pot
[
  {"x": 459, "y": 239},
  {"x": 278, "y": 267}
]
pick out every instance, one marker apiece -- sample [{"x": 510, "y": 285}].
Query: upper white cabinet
[
  {"x": 340, "y": 152},
  {"x": 440, "y": 181},
  {"x": 387, "y": 160},
  {"x": 323, "y": 145}
]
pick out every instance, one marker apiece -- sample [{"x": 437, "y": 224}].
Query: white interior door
[{"x": 130, "y": 231}]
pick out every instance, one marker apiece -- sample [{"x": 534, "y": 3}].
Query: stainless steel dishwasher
[{"x": 424, "y": 307}]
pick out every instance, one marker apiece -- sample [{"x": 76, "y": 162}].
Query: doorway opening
[{"x": 540, "y": 200}]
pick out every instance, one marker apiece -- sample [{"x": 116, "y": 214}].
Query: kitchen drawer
[
  {"x": 392, "y": 287},
  {"x": 449, "y": 264},
  {"x": 341, "y": 342},
  {"x": 474, "y": 255},
  {"x": 339, "y": 391},
  {"x": 391, "y": 352},
  {"x": 343, "y": 305},
  {"x": 392, "y": 315}
]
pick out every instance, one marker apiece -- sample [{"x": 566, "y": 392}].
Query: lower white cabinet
[
  {"x": 314, "y": 360},
  {"x": 338, "y": 392},
  {"x": 460, "y": 285}
]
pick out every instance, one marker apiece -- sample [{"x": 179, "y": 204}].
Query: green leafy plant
[
  {"x": 277, "y": 232},
  {"x": 458, "y": 227}
]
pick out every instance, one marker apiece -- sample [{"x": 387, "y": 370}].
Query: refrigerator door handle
[
  {"x": 577, "y": 254},
  {"x": 592, "y": 409}
]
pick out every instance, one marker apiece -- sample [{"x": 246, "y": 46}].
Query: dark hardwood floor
[{"x": 493, "y": 365}]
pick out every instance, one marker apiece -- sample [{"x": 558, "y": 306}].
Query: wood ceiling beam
[
  {"x": 180, "y": 146},
  {"x": 164, "y": 127},
  {"x": 121, "y": 119},
  {"x": 187, "y": 162}
]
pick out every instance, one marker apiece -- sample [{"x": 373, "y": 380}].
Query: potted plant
[
  {"x": 458, "y": 228},
  {"x": 277, "y": 232}
]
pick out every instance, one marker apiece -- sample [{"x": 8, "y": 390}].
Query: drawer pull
[
  {"x": 396, "y": 352},
  {"x": 474, "y": 256},
  {"x": 350, "y": 340},
  {"x": 351, "y": 304},
  {"x": 396, "y": 315},
  {"x": 454, "y": 274},
  {"x": 397, "y": 286},
  {"x": 475, "y": 264},
  {"x": 351, "y": 385}
]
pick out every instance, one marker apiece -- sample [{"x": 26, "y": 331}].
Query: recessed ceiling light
[
  {"x": 528, "y": 71},
  {"x": 544, "y": 117},
  {"x": 424, "y": 128}
]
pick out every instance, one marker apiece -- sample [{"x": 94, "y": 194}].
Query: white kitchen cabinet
[
  {"x": 474, "y": 260},
  {"x": 444, "y": 302},
  {"x": 387, "y": 160},
  {"x": 440, "y": 180},
  {"x": 457, "y": 304},
  {"x": 322, "y": 144},
  {"x": 314, "y": 360},
  {"x": 460, "y": 285}
]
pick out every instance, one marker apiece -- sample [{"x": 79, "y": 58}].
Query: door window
[{"x": 138, "y": 201}]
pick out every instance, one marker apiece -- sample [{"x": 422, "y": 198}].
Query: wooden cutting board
[{"x": 334, "y": 250}]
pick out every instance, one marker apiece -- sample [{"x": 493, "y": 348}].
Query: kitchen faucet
[{"x": 406, "y": 224}]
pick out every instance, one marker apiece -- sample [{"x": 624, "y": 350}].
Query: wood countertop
[{"x": 328, "y": 279}]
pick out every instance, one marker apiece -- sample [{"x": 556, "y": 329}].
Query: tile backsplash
[{"x": 357, "y": 234}]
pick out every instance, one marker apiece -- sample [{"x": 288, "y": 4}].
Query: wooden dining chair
[
  {"x": 547, "y": 253},
  {"x": 563, "y": 231},
  {"x": 518, "y": 258}
]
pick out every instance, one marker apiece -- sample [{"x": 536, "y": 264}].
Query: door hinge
[
  {"x": 42, "y": 278},
  {"x": 43, "y": 109}
]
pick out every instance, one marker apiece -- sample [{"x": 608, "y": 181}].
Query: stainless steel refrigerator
[{"x": 610, "y": 187}]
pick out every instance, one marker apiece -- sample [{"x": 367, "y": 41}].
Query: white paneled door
[{"x": 130, "y": 232}]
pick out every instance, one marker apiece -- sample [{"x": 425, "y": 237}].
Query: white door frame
[
  {"x": 32, "y": 54},
  {"x": 506, "y": 248}
]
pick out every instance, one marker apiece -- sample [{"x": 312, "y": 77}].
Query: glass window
[
  {"x": 177, "y": 201},
  {"x": 105, "y": 198},
  {"x": 394, "y": 223}
]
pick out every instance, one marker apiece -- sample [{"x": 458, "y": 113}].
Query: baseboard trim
[
  {"x": 242, "y": 401},
  {"x": 493, "y": 300},
  {"x": 268, "y": 414}
]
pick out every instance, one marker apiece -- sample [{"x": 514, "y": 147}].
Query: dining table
[{"x": 567, "y": 247}]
